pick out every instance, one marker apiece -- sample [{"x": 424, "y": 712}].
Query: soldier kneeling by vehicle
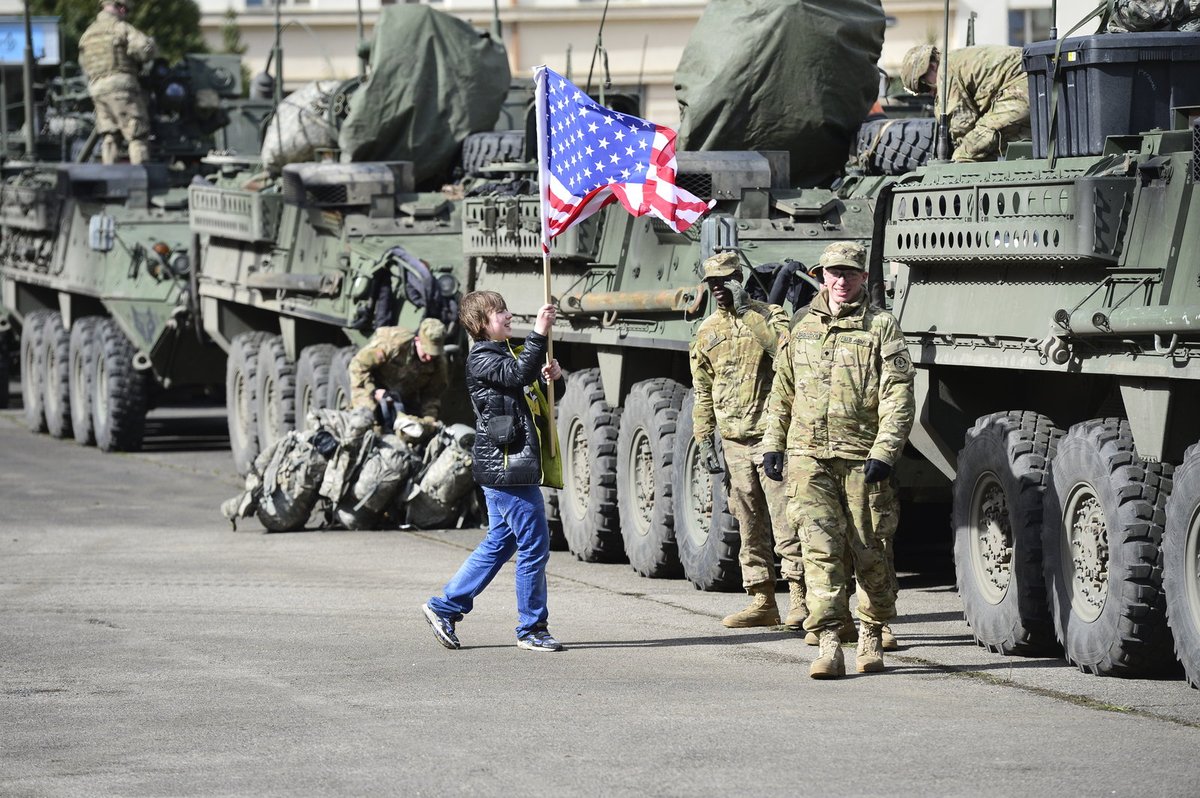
[{"x": 360, "y": 478}]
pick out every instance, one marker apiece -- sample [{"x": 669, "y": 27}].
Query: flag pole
[{"x": 539, "y": 76}]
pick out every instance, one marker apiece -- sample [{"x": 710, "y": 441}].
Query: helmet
[
  {"x": 723, "y": 264},
  {"x": 846, "y": 254},
  {"x": 916, "y": 63}
]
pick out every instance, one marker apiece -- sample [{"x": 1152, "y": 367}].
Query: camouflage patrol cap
[
  {"x": 916, "y": 63},
  {"x": 845, "y": 254},
  {"x": 432, "y": 334},
  {"x": 723, "y": 264}
]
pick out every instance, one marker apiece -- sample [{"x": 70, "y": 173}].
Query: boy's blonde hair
[{"x": 474, "y": 310}]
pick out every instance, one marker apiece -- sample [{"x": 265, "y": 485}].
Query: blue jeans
[{"x": 516, "y": 523}]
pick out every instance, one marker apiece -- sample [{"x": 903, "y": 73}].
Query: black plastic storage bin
[{"x": 1110, "y": 84}]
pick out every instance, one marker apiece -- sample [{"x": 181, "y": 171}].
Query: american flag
[{"x": 589, "y": 156}]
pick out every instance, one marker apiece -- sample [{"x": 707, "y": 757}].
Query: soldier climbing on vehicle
[
  {"x": 112, "y": 52},
  {"x": 987, "y": 99}
]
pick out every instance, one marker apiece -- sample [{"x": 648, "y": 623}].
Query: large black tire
[
  {"x": 241, "y": 403},
  {"x": 1103, "y": 519},
  {"x": 81, "y": 376},
  {"x": 312, "y": 380},
  {"x": 895, "y": 146},
  {"x": 558, "y": 541},
  {"x": 56, "y": 360},
  {"x": 492, "y": 146},
  {"x": 1181, "y": 564},
  {"x": 645, "y": 454},
  {"x": 5, "y": 368},
  {"x": 339, "y": 379},
  {"x": 706, "y": 533},
  {"x": 1002, "y": 474},
  {"x": 275, "y": 392},
  {"x": 119, "y": 391},
  {"x": 33, "y": 371},
  {"x": 587, "y": 504}
]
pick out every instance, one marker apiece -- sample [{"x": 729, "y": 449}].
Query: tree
[{"x": 174, "y": 24}]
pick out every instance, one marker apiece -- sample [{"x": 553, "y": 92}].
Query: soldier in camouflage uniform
[
  {"x": 412, "y": 365},
  {"x": 842, "y": 406},
  {"x": 111, "y": 52},
  {"x": 987, "y": 99},
  {"x": 732, "y": 360}
]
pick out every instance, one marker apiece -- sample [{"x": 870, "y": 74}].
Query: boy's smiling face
[{"x": 499, "y": 325}]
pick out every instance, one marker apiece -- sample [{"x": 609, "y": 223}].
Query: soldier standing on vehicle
[
  {"x": 400, "y": 363},
  {"x": 987, "y": 99},
  {"x": 111, "y": 52},
  {"x": 732, "y": 360},
  {"x": 841, "y": 407}
]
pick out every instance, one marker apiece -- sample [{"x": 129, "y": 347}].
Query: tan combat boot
[
  {"x": 889, "y": 639},
  {"x": 870, "y": 649},
  {"x": 798, "y": 609},
  {"x": 847, "y": 634},
  {"x": 761, "y": 612},
  {"x": 831, "y": 663}
]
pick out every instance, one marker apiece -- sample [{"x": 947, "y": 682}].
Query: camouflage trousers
[
  {"x": 837, "y": 512},
  {"x": 760, "y": 507},
  {"x": 123, "y": 112}
]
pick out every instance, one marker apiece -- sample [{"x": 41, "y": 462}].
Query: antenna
[
  {"x": 599, "y": 48},
  {"x": 943, "y": 141},
  {"x": 28, "y": 79}
]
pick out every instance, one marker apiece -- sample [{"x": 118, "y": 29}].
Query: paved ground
[{"x": 147, "y": 649}]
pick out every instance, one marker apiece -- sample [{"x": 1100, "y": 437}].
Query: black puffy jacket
[{"x": 496, "y": 383}]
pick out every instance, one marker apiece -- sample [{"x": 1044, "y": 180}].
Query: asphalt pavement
[{"x": 147, "y": 649}]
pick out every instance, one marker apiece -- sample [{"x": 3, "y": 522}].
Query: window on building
[{"x": 1029, "y": 25}]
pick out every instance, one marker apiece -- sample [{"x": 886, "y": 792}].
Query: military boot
[
  {"x": 847, "y": 634},
  {"x": 889, "y": 639},
  {"x": 831, "y": 663},
  {"x": 870, "y": 649},
  {"x": 798, "y": 609},
  {"x": 761, "y": 612}
]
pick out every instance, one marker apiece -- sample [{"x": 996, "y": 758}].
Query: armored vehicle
[
  {"x": 95, "y": 266},
  {"x": 1050, "y": 304}
]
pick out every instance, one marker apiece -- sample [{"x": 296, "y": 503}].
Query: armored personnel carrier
[
  {"x": 96, "y": 265},
  {"x": 1050, "y": 301}
]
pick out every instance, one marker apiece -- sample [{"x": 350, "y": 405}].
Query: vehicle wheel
[
  {"x": 705, "y": 531},
  {"x": 241, "y": 404},
  {"x": 119, "y": 391},
  {"x": 1002, "y": 474},
  {"x": 587, "y": 504},
  {"x": 895, "y": 146},
  {"x": 80, "y": 377},
  {"x": 558, "y": 541},
  {"x": 312, "y": 380},
  {"x": 56, "y": 360},
  {"x": 5, "y": 349},
  {"x": 33, "y": 372},
  {"x": 645, "y": 452},
  {"x": 275, "y": 392},
  {"x": 339, "y": 378},
  {"x": 1181, "y": 564},
  {"x": 490, "y": 146},
  {"x": 1102, "y": 527}
]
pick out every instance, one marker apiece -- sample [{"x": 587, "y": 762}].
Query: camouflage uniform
[
  {"x": 111, "y": 52},
  {"x": 842, "y": 395},
  {"x": 987, "y": 98},
  {"x": 732, "y": 369},
  {"x": 389, "y": 361},
  {"x": 1130, "y": 16}
]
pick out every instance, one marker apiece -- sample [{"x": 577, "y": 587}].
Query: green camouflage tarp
[
  {"x": 434, "y": 80},
  {"x": 795, "y": 75}
]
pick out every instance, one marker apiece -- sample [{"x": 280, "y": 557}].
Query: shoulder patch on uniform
[{"x": 894, "y": 348}]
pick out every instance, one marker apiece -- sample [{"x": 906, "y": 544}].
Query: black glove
[
  {"x": 876, "y": 471},
  {"x": 773, "y": 465},
  {"x": 324, "y": 442},
  {"x": 707, "y": 455},
  {"x": 741, "y": 299}
]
